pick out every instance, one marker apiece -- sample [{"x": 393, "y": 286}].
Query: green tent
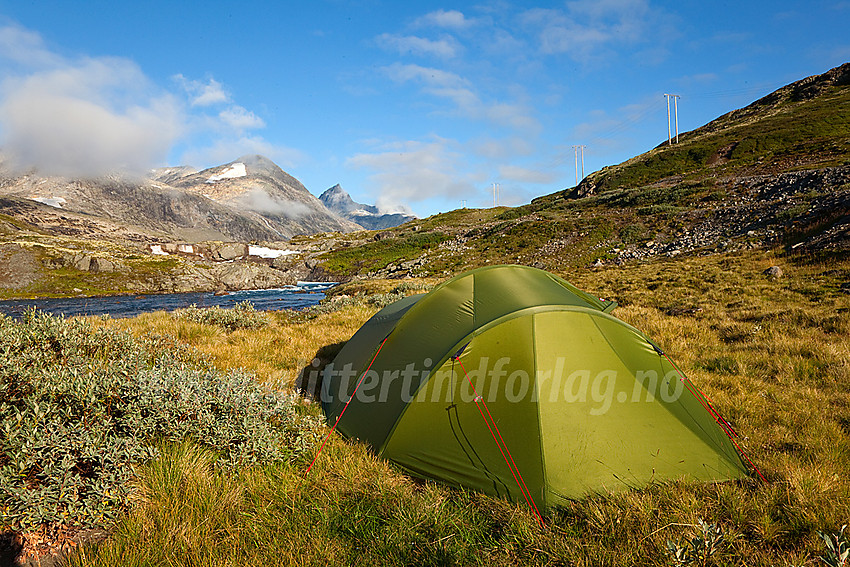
[{"x": 511, "y": 381}]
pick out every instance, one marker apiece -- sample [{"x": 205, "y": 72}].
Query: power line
[{"x": 624, "y": 125}]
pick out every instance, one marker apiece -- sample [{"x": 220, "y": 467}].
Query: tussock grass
[
  {"x": 275, "y": 353},
  {"x": 774, "y": 357}
]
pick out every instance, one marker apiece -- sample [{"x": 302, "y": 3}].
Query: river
[{"x": 300, "y": 296}]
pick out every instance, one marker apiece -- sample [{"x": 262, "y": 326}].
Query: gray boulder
[{"x": 774, "y": 273}]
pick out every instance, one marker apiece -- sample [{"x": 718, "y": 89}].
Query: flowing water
[{"x": 300, "y": 296}]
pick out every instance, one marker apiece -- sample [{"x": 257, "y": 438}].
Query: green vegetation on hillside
[{"x": 378, "y": 254}]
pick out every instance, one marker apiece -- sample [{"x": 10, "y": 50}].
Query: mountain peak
[
  {"x": 336, "y": 198},
  {"x": 339, "y": 201},
  {"x": 257, "y": 163}
]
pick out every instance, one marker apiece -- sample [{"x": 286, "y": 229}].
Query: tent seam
[{"x": 545, "y": 478}]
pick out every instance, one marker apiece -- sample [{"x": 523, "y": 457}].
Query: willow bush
[{"x": 81, "y": 406}]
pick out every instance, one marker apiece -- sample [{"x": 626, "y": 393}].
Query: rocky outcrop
[
  {"x": 94, "y": 264},
  {"x": 18, "y": 267},
  {"x": 801, "y": 211},
  {"x": 245, "y": 275}
]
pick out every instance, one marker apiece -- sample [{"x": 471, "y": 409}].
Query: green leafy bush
[
  {"x": 80, "y": 406},
  {"x": 837, "y": 548},
  {"x": 240, "y": 316},
  {"x": 699, "y": 549}
]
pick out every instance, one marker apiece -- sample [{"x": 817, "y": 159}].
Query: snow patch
[
  {"x": 52, "y": 201},
  {"x": 264, "y": 252},
  {"x": 232, "y": 172},
  {"x": 156, "y": 250}
]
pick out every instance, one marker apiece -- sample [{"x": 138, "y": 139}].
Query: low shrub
[
  {"x": 362, "y": 299},
  {"x": 81, "y": 406},
  {"x": 240, "y": 316}
]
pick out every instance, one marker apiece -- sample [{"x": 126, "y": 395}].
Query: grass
[
  {"x": 380, "y": 253},
  {"x": 275, "y": 353},
  {"x": 774, "y": 356}
]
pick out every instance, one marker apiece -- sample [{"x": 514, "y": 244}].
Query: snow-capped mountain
[
  {"x": 259, "y": 189},
  {"x": 245, "y": 200}
]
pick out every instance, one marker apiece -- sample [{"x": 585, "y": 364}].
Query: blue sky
[{"x": 416, "y": 104}]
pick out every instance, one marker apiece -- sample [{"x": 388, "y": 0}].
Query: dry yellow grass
[
  {"x": 276, "y": 353},
  {"x": 773, "y": 355}
]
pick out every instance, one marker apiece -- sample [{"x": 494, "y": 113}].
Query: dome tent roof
[{"x": 512, "y": 365}]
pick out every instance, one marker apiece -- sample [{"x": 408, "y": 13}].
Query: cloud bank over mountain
[{"x": 89, "y": 116}]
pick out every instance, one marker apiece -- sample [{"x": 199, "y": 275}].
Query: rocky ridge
[{"x": 259, "y": 189}]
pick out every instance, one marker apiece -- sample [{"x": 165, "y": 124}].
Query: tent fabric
[{"x": 582, "y": 401}]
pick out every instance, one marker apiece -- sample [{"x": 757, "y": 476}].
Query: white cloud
[
  {"x": 259, "y": 201},
  {"x": 502, "y": 149},
  {"x": 468, "y": 104},
  {"x": 587, "y": 28},
  {"x": 446, "y": 47},
  {"x": 445, "y": 19},
  {"x": 240, "y": 119},
  {"x": 525, "y": 175},
  {"x": 25, "y": 47},
  {"x": 434, "y": 78},
  {"x": 88, "y": 117},
  {"x": 414, "y": 171},
  {"x": 203, "y": 94}
]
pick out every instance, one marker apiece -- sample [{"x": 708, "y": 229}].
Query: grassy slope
[{"x": 772, "y": 355}]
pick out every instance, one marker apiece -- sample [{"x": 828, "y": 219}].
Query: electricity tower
[
  {"x": 675, "y": 98},
  {"x": 576, "y": 149}
]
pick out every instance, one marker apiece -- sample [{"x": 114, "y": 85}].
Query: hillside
[
  {"x": 775, "y": 174},
  {"x": 802, "y": 126}
]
